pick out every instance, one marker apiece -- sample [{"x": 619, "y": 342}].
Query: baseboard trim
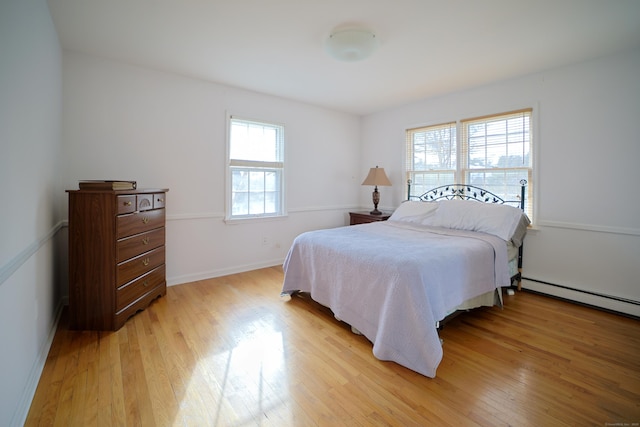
[
  {"x": 204, "y": 275},
  {"x": 29, "y": 391}
]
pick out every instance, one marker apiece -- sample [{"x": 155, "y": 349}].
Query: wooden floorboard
[{"x": 230, "y": 351}]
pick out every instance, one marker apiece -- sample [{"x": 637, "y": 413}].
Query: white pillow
[
  {"x": 500, "y": 220},
  {"x": 521, "y": 230},
  {"x": 412, "y": 211}
]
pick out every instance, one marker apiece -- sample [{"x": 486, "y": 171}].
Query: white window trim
[{"x": 228, "y": 218}]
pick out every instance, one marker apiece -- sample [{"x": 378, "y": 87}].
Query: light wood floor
[{"x": 231, "y": 352}]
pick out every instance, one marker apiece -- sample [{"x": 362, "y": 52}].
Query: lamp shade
[
  {"x": 377, "y": 177},
  {"x": 351, "y": 45}
]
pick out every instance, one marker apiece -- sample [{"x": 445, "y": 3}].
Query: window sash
[
  {"x": 255, "y": 192},
  {"x": 431, "y": 156},
  {"x": 255, "y": 141},
  {"x": 501, "y": 140},
  {"x": 432, "y": 147},
  {"x": 498, "y": 154}
]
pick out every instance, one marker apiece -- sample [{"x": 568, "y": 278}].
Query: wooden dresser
[{"x": 116, "y": 255}]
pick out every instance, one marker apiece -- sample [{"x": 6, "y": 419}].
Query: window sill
[{"x": 254, "y": 219}]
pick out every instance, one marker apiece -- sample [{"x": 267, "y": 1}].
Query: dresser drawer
[
  {"x": 159, "y": 200},
  {"x": 129, "y": 270},
  {"x": 139, "y": 222},
  {"x": 139, "y": 243},
  {"x": 144, "y": 202},
  {"x": 130, "y": 292},
  {"x": 126, "y": 204},
  {"x": 140, "y": 304}
]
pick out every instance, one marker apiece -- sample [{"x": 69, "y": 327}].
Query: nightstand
[{"x": 364, "y": 217}]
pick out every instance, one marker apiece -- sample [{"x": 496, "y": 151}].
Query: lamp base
[{"x": 376, "y": 199}]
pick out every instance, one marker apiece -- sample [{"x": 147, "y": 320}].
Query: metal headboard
[
  {"x": 471, "y": 192},
  {"x": 467, "y": 192}
]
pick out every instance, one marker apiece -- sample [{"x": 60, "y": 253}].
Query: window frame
[
  {"x": 248, "y": 166},
  {"x": 462, "y": 170}
]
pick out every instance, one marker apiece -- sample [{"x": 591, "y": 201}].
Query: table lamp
[{"x": 376, "y": 177}]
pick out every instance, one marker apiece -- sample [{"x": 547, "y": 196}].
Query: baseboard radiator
[{"x": 612, "y": 303}]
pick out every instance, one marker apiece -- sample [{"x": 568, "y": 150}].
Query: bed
[{"x": 452, "y": 248}]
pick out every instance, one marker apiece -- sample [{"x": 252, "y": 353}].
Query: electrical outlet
[{"x": 265, "y": 241}]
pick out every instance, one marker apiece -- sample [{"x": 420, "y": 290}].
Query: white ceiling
[{"x": 427, "y": 47}]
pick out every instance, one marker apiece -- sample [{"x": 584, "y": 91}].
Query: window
[
  {"x": 256, "y": 169},
  {"x": 431, "y": 157},
  {"x": 492, "y": 152}
]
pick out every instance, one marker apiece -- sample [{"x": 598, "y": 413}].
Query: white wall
[
  {"x": 587, "y": 208},
  {"x": 30, "y": 111},
  {"x": 165, "y": 130}
]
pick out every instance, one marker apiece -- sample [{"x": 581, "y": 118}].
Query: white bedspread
[{"x": 393, "y": 281}]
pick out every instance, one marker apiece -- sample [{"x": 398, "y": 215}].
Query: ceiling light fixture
[{"x": 351, "y": 45}]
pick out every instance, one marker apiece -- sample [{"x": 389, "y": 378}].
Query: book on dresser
[
  {"x": 107, "y": 185},
  {"x": 116, "y": 255}
]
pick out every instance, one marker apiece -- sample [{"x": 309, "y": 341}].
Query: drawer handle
[
  {"x": 145, "y": 262},
  {"x": 145, "y": 283},
  {"x": 161, "y": 200},
  {"x": 145, "y": 220},
  {"x": 145, "y": 241},
  {"x": 127, "y": 203}
]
